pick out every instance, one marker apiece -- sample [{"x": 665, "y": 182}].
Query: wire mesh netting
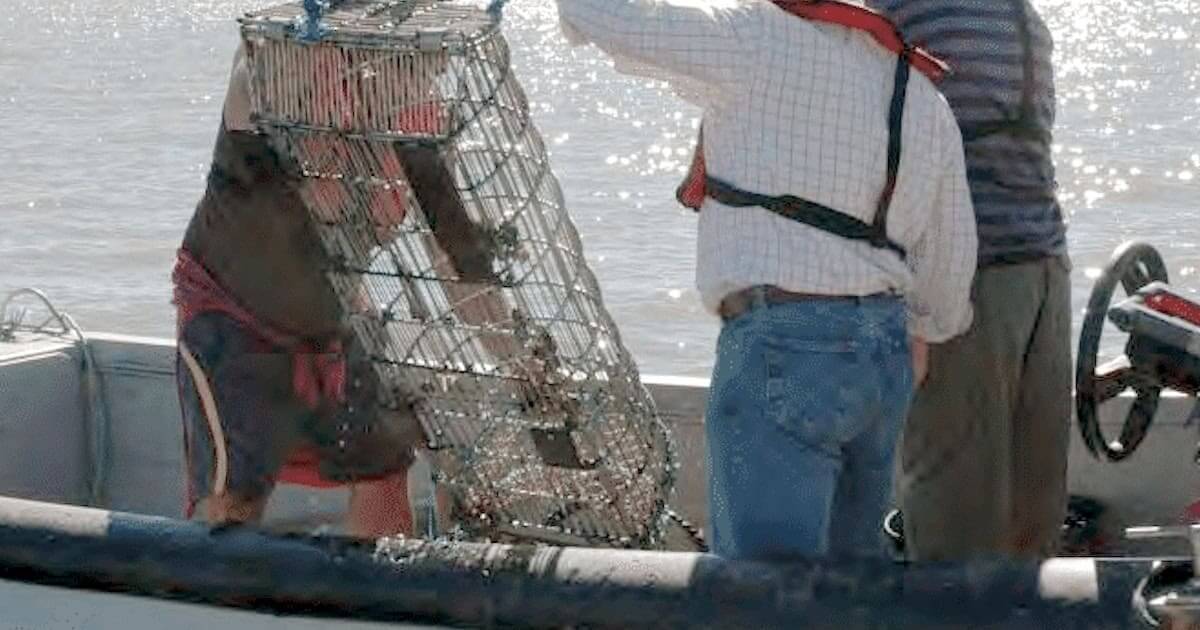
[{"x": 459, "y": 267}]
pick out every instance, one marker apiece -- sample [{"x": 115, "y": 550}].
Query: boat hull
[
  {"x": 55, "y": 445},
  {"x": 46, "y": 450}
]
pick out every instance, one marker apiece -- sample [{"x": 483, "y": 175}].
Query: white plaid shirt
[{"x": 796, "y": 107}]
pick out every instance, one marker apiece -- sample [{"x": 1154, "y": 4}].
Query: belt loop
[{"x": 758, "y": 296}]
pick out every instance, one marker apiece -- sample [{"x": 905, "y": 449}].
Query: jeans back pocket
[{"x": 818, "y": 390}]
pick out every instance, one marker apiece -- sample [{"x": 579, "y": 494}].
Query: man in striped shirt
[
  {"x": 984, "y": 457},
  {"x": 813, "y": 376}
]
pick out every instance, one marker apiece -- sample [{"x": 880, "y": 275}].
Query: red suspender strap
[{"x": 877, "y": 26}]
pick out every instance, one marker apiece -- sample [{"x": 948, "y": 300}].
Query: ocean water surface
[{"x": 108, "y": 110}]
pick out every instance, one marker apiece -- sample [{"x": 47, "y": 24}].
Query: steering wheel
[{"x": 1133, "y": 265}]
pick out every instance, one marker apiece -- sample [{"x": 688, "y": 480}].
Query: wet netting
[{"x": 461, "y": 271}]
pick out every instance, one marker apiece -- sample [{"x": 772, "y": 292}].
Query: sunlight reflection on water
[{"x": 114, "y": 103}]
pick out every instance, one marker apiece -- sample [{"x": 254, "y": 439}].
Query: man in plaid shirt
[{"x": 836, "y": 239}]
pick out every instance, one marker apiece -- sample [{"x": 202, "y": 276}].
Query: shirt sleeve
[
  {"x": 708, "y": 41},
  {"x": 944, "y": 257}
]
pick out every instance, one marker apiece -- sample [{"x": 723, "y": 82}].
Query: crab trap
[
  {"x": 459, "y": 268},
  {"x": 1162, "y": 351}
]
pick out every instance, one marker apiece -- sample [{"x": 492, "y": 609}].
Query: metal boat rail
[{"x": 482, "y": 585}]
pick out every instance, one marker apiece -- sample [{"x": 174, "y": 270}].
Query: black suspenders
[
  {"x": 821, "y": 216},
  {"x": 895, "y": 127}
]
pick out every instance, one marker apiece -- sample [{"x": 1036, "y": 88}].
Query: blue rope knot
[
  {"x": 495, "y": 7},
  {"x": 313, "y": 28}
]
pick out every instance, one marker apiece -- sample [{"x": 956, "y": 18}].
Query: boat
[{"x": 92, "y": 532}]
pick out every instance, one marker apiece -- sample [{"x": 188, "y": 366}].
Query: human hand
[{"x": 919, "y": 350}]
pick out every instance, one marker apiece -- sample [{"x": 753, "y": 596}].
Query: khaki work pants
[{"x": 983, "y": 462}]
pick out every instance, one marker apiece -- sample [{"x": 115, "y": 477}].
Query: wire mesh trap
[{"x": 459, "y": 268}]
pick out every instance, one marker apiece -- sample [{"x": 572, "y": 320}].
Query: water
[{"x": 108, "y": 110}]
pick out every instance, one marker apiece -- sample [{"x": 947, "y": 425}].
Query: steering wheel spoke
[{"x": 1115, "y": 377}]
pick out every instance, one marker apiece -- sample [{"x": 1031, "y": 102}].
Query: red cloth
[
  {"x": 302, "y": 468},
  {"x": 386, "y": 207},
  {"x": 691, "y": 192},
  {"x": 318, "y": 370}
]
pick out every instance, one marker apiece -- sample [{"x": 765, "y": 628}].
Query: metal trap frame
[{"x": 459, "y": 268}]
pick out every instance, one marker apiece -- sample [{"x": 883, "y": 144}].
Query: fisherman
[
  {"x": 271, "y": 384},
  {"x": 984, "y": 457},
  {"x": 835, "y": 240},
  {"x": 274, "y": 385}
]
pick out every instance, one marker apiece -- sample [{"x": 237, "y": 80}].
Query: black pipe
[{"x": 543, "y": 587}]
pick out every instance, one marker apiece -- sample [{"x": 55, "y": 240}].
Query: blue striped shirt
[{"x": 1011, "y": 175}]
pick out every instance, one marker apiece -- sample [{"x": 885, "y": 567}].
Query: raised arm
[
  {"x": 944, "y": 258},
  {"x": 712, "y": 42}
]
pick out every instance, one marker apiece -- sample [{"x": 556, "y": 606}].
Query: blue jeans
[{"x": 805, "y": 408}]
